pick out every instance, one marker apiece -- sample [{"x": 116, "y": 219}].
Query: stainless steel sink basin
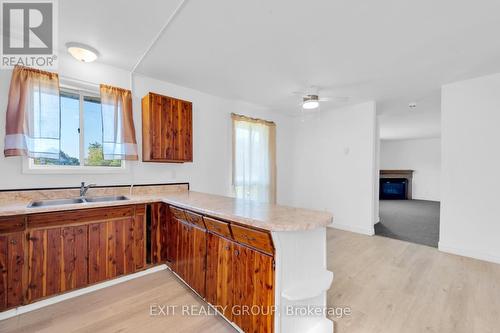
[
  {"x": 44, "y": 203},
  {"x": 72, "y": 201},
  {"x": 107, "y": 198}
]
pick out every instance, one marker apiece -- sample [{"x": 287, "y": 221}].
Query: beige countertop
[{"x": 260, "y": 215}]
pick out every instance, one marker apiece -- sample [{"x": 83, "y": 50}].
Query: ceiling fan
[{"x": 311, "y": 98}]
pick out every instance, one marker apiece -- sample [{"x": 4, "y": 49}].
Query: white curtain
[
  {"x": 118, "y": 131},
  {"x": 32, "y": 125},
  {"x": 253, "y": 159}
]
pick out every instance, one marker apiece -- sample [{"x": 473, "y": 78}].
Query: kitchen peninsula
[{"x": 268, "y": 261}]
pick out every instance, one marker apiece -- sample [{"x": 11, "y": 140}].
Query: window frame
[{"x": 29, "y": 167}]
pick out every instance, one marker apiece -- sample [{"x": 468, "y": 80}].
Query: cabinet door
[
  {"x": 139, "y": 236},
  {"x": 171, "y": 238},
  {"x": 167, "y": 129},
  {"x": 253, "y": 275},
  {"x": 219, "y": 275},
  {"x": 11, "y": 270},
  {"x": 75, "y": 257},
  {"x": 45, "y": 263},
  {"x": 58, "y": 260},
  {"x": 184, "y": 244},
  {"x": 185, "y": 141},
  {"x": 116, "y": 248},
  {"x": 197, "y": 260},
  {"x": 98, "y": 252},
  {"x": 157, "y": 124},
  {"x": 190, "y": 259},
  {"x": 159, "y": 220}
]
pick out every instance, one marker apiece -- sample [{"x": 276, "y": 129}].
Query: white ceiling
[
  {"x": 391, "y": 51},
  {"x": 120, "y": 30},
  {"x": 398, "y": 121}
]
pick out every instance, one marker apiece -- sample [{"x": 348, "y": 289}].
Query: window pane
[
  {"x": 251, "y": 161},
  {"x": 93, "y": 134},
  {"x": 70, "y": 139}
]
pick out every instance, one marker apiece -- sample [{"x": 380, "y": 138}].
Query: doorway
[{"x": 409, "y": 179}]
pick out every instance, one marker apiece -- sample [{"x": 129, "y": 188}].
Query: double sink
[{"x": 73, "y": 201}]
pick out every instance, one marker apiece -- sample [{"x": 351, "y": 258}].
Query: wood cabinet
[
  {"x": 11, "y": 268},
  {"x": 253, "y": 291},
  {"x": 193, "y": 251},
  {"x": 240, "y": 281},
  {"x": 117, "y": 247},
  {"x": 190, "y": 251},
  {"x": 229, "y": 265},
  {"x": 57, "y": 260},
  {"x": 70, "y": 250},
  {"x": 219, "y": 276},
  {"x": 159, "y": 233},
  {"x": 167, "y": 129}
]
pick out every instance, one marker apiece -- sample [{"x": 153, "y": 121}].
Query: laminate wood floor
[
  {"x": 123, "y": 308},
  {"x": 394, "y": 286},
  {"x": 390, "y": 286}
]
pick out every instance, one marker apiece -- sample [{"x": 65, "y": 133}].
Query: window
[
  {"x": 81, "y": 133},
  {"x": 254, "y": 169}
]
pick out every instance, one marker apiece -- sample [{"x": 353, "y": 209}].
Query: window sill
[{"x": 29, "y": 168}]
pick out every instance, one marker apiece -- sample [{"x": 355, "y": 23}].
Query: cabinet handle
[
  {"x": 227, "y": 247},
  {"x": 237, "y": 252},
  {"x": 13, "y": 241}
]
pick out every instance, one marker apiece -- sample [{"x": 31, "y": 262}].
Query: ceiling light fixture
[
  {"x": 310, "y": 102},
  {"x": 82, "y": 52}
]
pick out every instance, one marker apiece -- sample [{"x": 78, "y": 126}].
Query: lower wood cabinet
[
  {"x": 116, "y": 248},
  {"x": 189, "y": 258},
  {"x": 159, "y": 233},
  {"x": 240, "y": 282},
  {"x": 253, "y": 291},
  {"x": 12, "y": 260},
  {"x": 57, "y": 260},
  {"x": 79, "y": 248},
  {"x": 220, "y": 276},
  {"x": 230, "y": 266}
]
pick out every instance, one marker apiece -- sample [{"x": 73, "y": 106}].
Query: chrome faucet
[{"x": 84, "y": 188}]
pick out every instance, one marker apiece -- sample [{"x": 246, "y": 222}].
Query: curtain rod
[{"x": 70, "y": 79}]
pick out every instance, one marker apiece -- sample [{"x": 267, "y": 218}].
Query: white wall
[
  {"x": 326, "y": 163},
  {"x": 211, "y": 170},
  {"x": 421, "y": 155},
  {"x": 334, "y": 164},
  {"x": 470, "y": 199}
]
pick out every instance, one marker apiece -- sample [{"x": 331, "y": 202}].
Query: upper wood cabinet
[{"x": 167, "y": 129}]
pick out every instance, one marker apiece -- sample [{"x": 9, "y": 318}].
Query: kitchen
[{"x": 213, "y": 166}]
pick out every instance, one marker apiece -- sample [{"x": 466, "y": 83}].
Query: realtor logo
[{"x": 29, "y": 34}]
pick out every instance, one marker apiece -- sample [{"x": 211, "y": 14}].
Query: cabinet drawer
[
  {"x": 177, "y": 212},
  {"x": 258, "y": 239},
  {"x": 195, "y": 219},
  {"x": 218, "y": 227},
  {"x": 11, "y": 224}
]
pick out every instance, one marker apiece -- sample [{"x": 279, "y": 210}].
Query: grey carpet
[{"x": 415, "y": 221}]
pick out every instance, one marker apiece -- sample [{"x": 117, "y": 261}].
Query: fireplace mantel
[{"x": 407, "y": 174}]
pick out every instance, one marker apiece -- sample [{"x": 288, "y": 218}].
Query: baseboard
[
  {"x": 72, "y": 294},
  {"x": 370, "y": 231},
  {"x": 468, "y": 253}
]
